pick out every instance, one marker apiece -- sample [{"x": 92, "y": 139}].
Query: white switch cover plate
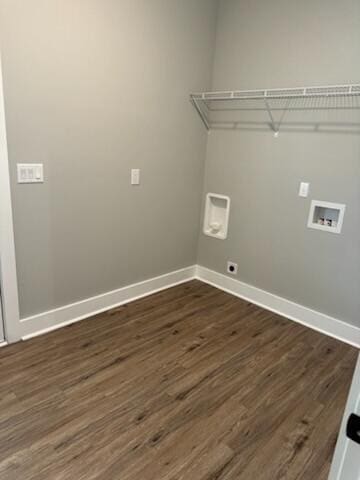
[
  {"x": 135, "y": 176},
  {"x": 304, "y": 189},
  {"x": 30, "y": 173}
]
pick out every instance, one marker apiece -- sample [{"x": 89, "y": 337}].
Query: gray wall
[
  {"x": 281, "y": 44},
  {"x": 94, "y": 88}
]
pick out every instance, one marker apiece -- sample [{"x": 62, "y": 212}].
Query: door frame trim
[
  {"x": 8, "y": 276},
  {"x": 338, "y": 461}
]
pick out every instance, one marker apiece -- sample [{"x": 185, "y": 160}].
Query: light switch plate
[
  {"x": 135, "y": 176},
  {"x": 30, "y": 173},
  {"x": 304, "y": 189}
]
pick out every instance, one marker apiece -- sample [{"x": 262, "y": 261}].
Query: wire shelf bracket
[{"x": 206, "y": 103}]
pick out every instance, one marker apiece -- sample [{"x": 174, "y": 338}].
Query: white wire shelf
[{"x": 332, "y": 97}]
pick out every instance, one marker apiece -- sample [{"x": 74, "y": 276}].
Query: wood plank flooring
[{"x": 188, "y": 384}]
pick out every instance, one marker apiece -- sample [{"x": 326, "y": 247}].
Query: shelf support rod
[
  {"x": 201, "y": 113},
  {"x": 272, "y": 120}
]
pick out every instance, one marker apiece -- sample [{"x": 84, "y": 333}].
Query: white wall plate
[
  {"x": 216, "y": 219},
  {"x": 30, "y": 173},
  {"x": 326, "y": 216}
]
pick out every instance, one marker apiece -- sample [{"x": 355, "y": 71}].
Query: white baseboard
[
  {"x": 318, "y": 321},
  {"x": 60, "y": 317}
]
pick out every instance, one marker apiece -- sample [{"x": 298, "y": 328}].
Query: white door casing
[
  {"x": 8, "y": 278},
  {"x": 346, "y": 460},
  {"x": 1, "y": 323}
]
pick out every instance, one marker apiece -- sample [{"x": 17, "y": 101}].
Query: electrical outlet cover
[{"x": 232, "y": 268}]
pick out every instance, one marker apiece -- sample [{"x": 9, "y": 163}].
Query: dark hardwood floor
[{"x": 188, "y": 384}]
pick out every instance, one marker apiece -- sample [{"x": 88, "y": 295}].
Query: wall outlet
[
  {"x": 304, "y": 189},
  {"x": 135, "y": 176},
  {"x": 232, "y": 268}
]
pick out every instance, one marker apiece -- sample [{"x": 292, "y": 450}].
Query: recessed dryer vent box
[
  {"x": 216, "y": 219},
  {"x": 326, "y": 216}
]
